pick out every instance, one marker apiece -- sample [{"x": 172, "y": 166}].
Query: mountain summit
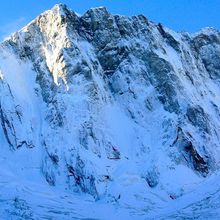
[{"x": 114, "y": 113}]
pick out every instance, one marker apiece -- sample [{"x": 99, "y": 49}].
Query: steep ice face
[{"x": 117, "y": 107}]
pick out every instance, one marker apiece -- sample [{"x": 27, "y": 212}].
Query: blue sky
[{"x": 180, "y": 15}]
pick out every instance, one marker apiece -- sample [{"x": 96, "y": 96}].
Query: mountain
[{"x": 109, "y": 117}]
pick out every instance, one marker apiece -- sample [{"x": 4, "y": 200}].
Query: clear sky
[{"x": 180, "y": 15}]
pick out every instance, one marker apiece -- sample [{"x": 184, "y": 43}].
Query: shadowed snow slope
[{"x": 109, "y": 117}]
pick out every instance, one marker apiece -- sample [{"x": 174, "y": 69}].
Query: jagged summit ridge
[
  {"x": 115, "y": 107},
  {"x": 101, "y": 12}
]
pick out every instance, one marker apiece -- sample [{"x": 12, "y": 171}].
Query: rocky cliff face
[{"x": 116, "y": 107}]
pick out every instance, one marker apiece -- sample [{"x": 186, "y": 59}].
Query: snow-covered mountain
[{"x": 109, "y": 117}]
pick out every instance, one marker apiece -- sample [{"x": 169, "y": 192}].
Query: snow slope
[{"x": 109, "y": 117}]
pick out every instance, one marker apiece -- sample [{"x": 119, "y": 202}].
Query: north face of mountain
[{"x": 115, "y": 107}]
